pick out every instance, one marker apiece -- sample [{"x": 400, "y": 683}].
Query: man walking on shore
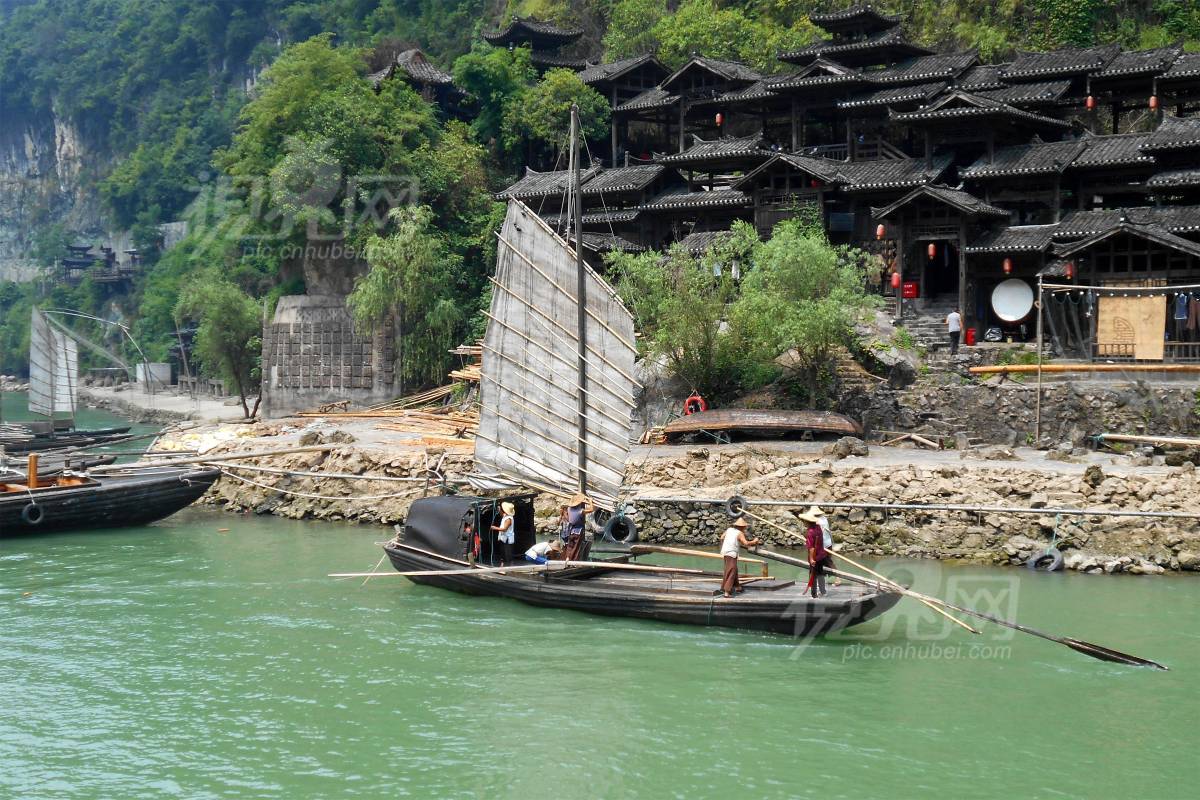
[{"x": 954, "y": 327}]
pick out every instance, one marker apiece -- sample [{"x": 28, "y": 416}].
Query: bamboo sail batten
[
  {"x": 541, "y": 421},
  {"x": 53, "y": 369}
]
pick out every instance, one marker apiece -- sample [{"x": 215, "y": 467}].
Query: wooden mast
[{"x": 581, "y": 296}]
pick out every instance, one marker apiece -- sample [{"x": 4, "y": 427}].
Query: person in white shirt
[
  {"x": 734, "y": 538},
  {"x": 505, "y": 533},
  {"x": 542, "y": 552},
  {"x": 954, "y": 327}
]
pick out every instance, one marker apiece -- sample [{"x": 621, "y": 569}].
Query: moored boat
[
  {"x": 439, "y": 538},
  {"x": 80, "y": 502}
]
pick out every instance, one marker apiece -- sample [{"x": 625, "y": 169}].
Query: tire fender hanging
[
  {"x": 617, "y": 525},
  {"x": 735, "y": 506},
  {"x": 1049, "y": 560},
  {"x": 32, "y": 514}
]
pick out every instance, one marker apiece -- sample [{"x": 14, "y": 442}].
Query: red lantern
[
  {"x": 895, "y": 280},
  {"x": 1070, "y": 270},
  {"x": 720, "y": 119},
  {"x": 932, "y": 250},
  {"x": 880, "y": 231},
  {"x": 1153, "y": 102},
  {"x": 1008, "y": 266},
  {"x": 1091, "y": 103}
]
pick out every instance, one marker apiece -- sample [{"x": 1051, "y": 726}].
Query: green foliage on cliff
[{"x": 228, "y": 332}]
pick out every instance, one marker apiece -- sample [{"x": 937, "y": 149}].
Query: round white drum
[{"x": 1012, "y": 300}]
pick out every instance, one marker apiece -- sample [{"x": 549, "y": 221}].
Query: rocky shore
[{"x": 692, "y": 476}]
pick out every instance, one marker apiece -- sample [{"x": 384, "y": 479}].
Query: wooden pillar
[
  {"x": 928, "y": 150},
  {"x": 681, "y": 113},
  {"x": 1116, "y": 115},
  {"x": 613, "y": 118},
  {"x": 962, "y": 269},
  {"x": 795, "y": 127},
  {"x": 1058, "y": 197},
  {"x": 991, "y": 145}
]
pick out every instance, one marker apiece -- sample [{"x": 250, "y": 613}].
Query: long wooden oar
[
  {"x": 1087, "y": 648},
  {"x": 891, "y": 584},
  {"x": 547, "y": 567}
]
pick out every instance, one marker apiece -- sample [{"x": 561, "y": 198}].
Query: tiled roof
[
  {"x": 599, "y": 73},
  {"x": 894, "y": 96},
  {"x": 728, "y": 70},
  {"x": 858, "y": 16},
  {"x": 718, "y": 149},
  {"x": 1067, "y": 61},
  {"x": 1186, "y": 66},
  {"x": 607, "y": 242},
  {"x": 755, "y": 91},
  {"x": 1175, "y": 133},
  {"x": 821, "y": 72},
  {"x": 595, "y": 181},
  {"x": 1040, "y": 158},
  {"x": 544, "y": 58},
  {"x": 822, "y": 168},
  {"x": 1029, "y": 94},
  {"x": 900, "y": 173},
  {"x": 891, "y": 38},
  {"x": 519, "y": 29},
  {"x": 622, "y": 179},
  {"x": 1139, "y": 62},
  {"x": 651, "y": 98},
  {"x": 926, "y": 68},
  {"x": 610, "y": 217},
  {"x": 682, "y": 198},
  {"x": 974, "y": 106},
  {"x": 1015, "y": 238},
  {"x": 698, "y": 242},
  {"x": 982, "y": 77},
  {"x": 1175, "y": 178},
  {"x": 1176, "y": 219},
  {"x": 965, "y": 202},
  {"x": 1150, "y": 232},
  {"x": 1122, "y": 149},
  {"x": 417, "y": 66}
]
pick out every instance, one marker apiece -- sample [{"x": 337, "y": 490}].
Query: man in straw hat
[
  {"x": 574, "y": 521},
  {"x": 734, "y": 538},
  {"x": 818, "y": 555},
  {"x": 542, "y": 552},
  {"x": 505, "y": 532}
]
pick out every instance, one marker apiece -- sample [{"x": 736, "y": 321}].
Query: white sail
[
  {"x": 53, "y": 369},
  {"x": 529, "y": 392}
]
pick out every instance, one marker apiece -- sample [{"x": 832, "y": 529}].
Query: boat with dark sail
[
  {"x": 557, "y": 396},
  {"x": 77, "y": 501}
]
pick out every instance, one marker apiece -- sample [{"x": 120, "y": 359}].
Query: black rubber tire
[
  {"x": 32, "y": 514},
  {"x": 1051, "y": 561},
  {"x": 735, "y": 506},
  {"x": 620, "y": 521}
]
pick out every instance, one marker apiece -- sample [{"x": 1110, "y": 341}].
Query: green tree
[
  {"x": 631, "y": 28},
  {"x": 802, "y": 297},
  {"x": 542, "y": 113},
  {"x": 229, "y": 333},
  {"x": 410, "y": 285},
  {"x": 495, "y": 77}
]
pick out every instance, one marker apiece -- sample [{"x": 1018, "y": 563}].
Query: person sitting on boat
[
  {"x": 733, "y": 539},
  {"x": 542, "y": 552},
  {"x": 505, "y": 533},
  {"x": 577, "y": 510},
  {"x": 818, "y": 556}
]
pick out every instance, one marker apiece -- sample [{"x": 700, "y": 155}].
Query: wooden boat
[
  {"x": 438, "y": 536},
  {"x": 36, "y": 443},
  {"x": 51, "y": 467},
  {"x": 722, "y": 422},
  {"x": 80, "y": 502}
]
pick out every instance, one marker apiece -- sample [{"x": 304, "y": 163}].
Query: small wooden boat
[
  {"x": 79, "y": 502},
  {"x": 36, "y": 443},
  {"x": 722, "y": 423},
  {"x": 439, "y": 536},
  {"x": 51, "y": 467}
]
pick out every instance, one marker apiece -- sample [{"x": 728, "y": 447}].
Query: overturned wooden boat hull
[
  {"x": 432, "y": 541},
  {"x": 760, "y": 422},
  {"x": 107, "y": 502}
]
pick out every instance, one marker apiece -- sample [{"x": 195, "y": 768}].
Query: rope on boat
[
  {"x": 1081, "y": 512},
  {"x": 312, "y": 496}
]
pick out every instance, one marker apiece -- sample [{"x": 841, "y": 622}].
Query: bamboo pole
[
  {"x": 550, "y": 566},
  {"x": 314, "y": 448},
  {"x": 1037, "y": 419},
  {"x": 1129, "y": 437},
  {"x": 1065, "y": 368},
  {"x": 892, "y": 584}
]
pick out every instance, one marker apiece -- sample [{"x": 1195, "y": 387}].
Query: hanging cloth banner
[{"x": 1131, "y": 326}]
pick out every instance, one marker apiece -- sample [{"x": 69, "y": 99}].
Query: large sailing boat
[{"x": 556, "y": 405}]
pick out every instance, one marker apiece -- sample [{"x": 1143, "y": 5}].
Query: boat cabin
[{"x": 447, "y": 526}]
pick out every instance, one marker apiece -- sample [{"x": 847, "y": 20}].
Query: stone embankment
[{"x": 1091, "y": 544}]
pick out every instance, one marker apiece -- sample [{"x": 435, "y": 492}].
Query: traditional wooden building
[{"x": 545, "y": 40}]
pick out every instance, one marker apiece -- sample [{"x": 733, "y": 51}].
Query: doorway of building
[{"x": 939, "y": 270}]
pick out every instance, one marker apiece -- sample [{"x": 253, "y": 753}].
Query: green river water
[{"x": 180, "y": 660}]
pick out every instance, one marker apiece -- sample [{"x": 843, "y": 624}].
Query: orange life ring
[{"x": 693, "y": 404}]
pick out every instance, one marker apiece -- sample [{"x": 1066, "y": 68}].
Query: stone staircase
[
  {"x": 928, "y": 327},
  {"x": 853, "y": 376}
]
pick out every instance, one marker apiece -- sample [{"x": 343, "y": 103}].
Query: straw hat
[
  {"x": 508, "y": 508},
  {"x": 578, "y": 499},
  {"x": 556, "y": 544},
  {"x": 809, "y": 516},
  {"x": 740, "y": 522}
]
